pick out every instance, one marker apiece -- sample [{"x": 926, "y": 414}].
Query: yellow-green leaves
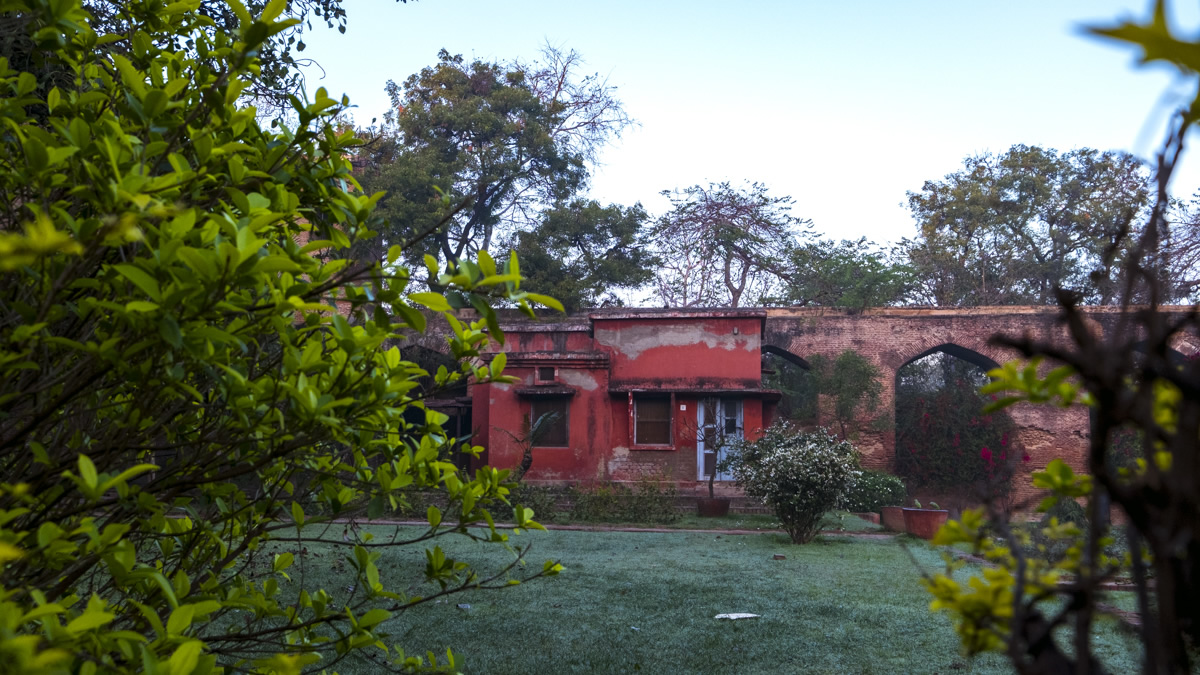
[
  {"x": 1061, "y": 480},
  {"x": 1021, "y": 381},
  {"x": 182, "y": 378},
  {"x": 435, "y": 301},
  {"x": 41, "y": 238},
  {"x": 287, "y": 664},
  {"x": 8, "y": 552},
  {"x": 1157, "y": 41}
]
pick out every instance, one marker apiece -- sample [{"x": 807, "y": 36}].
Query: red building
[{"x": 630, "y": 394}]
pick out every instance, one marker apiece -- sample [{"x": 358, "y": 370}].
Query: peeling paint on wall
[
  {"x": 633, "y": 340},
  {"x": 578, "y": 378},
  {"x": 619, "y": 456}
]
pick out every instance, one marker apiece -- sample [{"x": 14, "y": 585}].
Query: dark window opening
[
  {"x": 732, "y": 410},
  {"x": 545, "y": 373},
  {"x": 548, "y": 424},
  {"x": 652, "y": 421}
]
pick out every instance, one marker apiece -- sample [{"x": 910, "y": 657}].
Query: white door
[{"x": 718, "y": 424}]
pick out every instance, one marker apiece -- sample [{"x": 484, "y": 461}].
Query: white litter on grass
[{"x": 736, "y": 615}]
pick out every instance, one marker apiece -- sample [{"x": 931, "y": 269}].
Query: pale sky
[{"x": 845, "y": 106}]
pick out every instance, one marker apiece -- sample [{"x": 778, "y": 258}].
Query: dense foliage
[
  {"x": 844, "y": 390},
  {"x": 851, "y": 274},
  {"x": 1134, "y": 385},
  {"x": 279, "y": 56},
  {"x": 176, "y": 385},
  {"x": 944, "y": 440},
  {"x": 503, "y": 141},
  {"x": 801, "y": 475},
  {"x": 650, "y": 499},
  {"x": 1010, "y": 229},
  {"x": 874, "y": 490},
  {"x": 586, "y": 255}
]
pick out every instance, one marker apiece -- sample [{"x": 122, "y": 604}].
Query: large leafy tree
[
  {"x": 853, "y": 274},
  {"x": 587, "y": 255},
  {"x": 488, "y": 145},
  {"x": 177, "y": 390},
  {"x": 724, "y": 246},
  {"x": 1012, "y": 228}
]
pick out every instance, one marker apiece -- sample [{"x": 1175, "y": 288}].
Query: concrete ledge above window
[{"x": 552, "y": 390}]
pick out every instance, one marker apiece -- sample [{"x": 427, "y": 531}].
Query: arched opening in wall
[
  {"x": 792, "y": 377},
  {"x": 945, "y": 444}
]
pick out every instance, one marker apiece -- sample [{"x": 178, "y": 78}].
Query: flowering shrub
[
  {"x": 800, "y": 474},
  {"x": 874, "y": 490},
  {"x": 944, "y": 440}
]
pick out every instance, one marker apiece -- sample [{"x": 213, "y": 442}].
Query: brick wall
[{"x": 890, "y": 338}]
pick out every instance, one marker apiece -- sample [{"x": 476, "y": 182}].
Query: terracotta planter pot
[
  {"x": 712, "y": 507},
  {"x": 892, "y": 518},
  {"x": 924, "y": 523}
]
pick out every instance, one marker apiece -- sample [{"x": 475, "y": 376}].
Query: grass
[
  {"x": 834, "y": 520},
  {"x": 644, "y": 602}
]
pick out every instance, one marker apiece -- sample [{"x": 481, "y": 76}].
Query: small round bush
[
  {"x": 875, "y": 490},
  {"x": 801, "y": 475}
]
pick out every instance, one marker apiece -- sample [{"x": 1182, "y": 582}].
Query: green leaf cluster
[
  {"x": 185, "y": 376},
  {"x": 851, "y": 273},
  {"x": 1017, "y": 582}
]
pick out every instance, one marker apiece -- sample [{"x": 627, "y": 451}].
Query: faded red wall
[
  {"x": 601, "y": 361},
  {"x": 654, "y": 349},
  {"x": 681, "y": 351},
  {"x": 568, "y": 348}
]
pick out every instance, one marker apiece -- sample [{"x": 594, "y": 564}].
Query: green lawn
[
  {"x": 644, "y": 602},
  {"x": 834, "y": 520}
]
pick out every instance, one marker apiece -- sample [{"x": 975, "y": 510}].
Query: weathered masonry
[
  {"x": 626, "y": 394},
  {"x": 654, "y": 392}
]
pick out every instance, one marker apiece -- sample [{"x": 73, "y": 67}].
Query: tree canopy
[
  {"x": 585, "y": 255},
  {"x": 849, "y": 274},
  {"x": 724, "y": 246},
  {"x": 500, "y": 141},
  {"x": 1009, "y": 229}
]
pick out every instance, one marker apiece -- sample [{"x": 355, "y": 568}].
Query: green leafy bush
[
  {"x": 176, "y": 385},
  {"x": 874, "y": 490},
  {"x": 650, "y": 500},
  {"x": 800, "y": 474},
  {"x": 543, "y": 499}
]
